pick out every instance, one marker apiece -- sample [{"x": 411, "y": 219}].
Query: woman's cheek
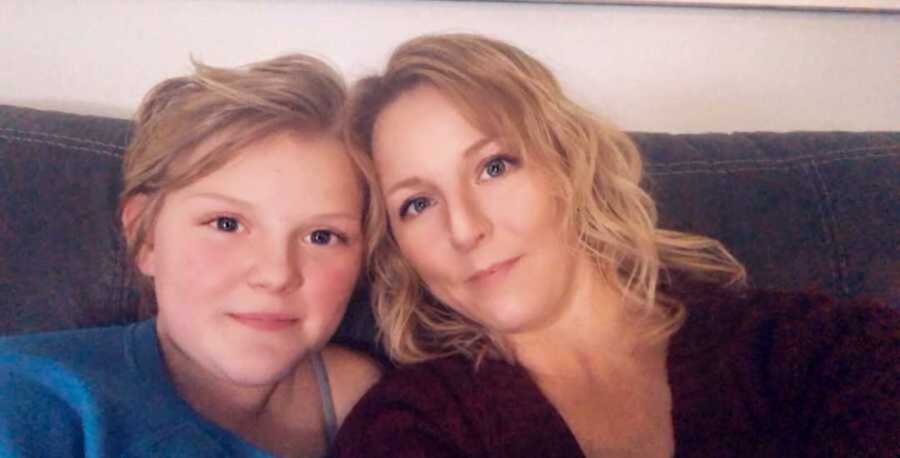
[{"x": 422, "y": 242}]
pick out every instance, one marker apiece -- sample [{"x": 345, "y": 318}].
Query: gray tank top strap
[{"x": 325, "y": 395}]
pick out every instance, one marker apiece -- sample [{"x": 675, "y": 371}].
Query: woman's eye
[
  {"x": 322, "y": 237},
  {"x": 227, "y": 224},
  {"x": 495, "y": 167},
  {"x": 414, "y": 206}
]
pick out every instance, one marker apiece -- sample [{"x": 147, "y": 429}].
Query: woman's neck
[{"x": 593, "y": 335}]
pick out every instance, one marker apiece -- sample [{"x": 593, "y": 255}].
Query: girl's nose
[{"x": 277, "y": 267}]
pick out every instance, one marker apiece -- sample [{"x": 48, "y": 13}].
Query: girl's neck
[
  {"x": 276, "y": 417},
  {"x": 221, "y": 401}
]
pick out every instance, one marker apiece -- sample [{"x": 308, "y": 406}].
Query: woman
[
  {"x": 243, "y": 214},
  {"x": 537, "y": 310}
]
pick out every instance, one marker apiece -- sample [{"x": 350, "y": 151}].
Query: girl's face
[
  {"x": 475, "y": 220},
  {"x": 253, "y": 264}
]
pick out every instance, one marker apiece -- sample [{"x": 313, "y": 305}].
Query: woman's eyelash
[
  {"x": 497, "y": 165},
  {"x": 417, "y": 204},
  {"x": 494, "y": 166}
]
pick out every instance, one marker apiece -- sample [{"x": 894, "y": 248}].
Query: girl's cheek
[
  {"x": 331, "y": 283},
  {"x": 209, "y": 261}
]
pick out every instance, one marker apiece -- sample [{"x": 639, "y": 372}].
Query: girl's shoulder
[
  {"x": 75, "y": 348},
  {"x": 350, "y": 374}
]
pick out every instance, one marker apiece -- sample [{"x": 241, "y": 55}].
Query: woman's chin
[{"x": 513, "y": 321}]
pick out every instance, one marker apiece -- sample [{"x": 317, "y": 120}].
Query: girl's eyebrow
[
  {"x": 352, "y": 217},
  {"x": 219, "y": 197},
  {"x": 413, "y": 181}
]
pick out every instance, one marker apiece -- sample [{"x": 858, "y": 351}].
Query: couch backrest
[{"x": 801, "y": 210}]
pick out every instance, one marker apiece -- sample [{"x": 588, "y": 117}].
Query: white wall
[{"x": 647, "y": 68}]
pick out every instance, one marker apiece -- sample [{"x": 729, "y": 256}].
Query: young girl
[
  {"x": 539, "y": 311},
  {"x": 245, "y": 216}
]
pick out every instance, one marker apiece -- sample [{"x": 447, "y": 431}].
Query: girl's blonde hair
[
  {"x": 225, "y": 110},
  {"x": 594, "y": 170}
]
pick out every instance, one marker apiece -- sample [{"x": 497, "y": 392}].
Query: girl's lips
[
  {"x": 493, "y": 271},
  {"x": 264, "y": 321}
]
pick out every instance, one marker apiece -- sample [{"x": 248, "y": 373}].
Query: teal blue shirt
[{"x": 100, "y": 393}]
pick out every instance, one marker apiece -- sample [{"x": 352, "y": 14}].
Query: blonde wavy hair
[
  {"x": 594, "y": 169},
  {"x": 226, "y": 109}
]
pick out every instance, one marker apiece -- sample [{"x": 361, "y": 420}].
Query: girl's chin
[{"x": 257, "y": 373}]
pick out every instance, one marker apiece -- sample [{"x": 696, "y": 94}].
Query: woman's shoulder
[
  {"x": 422, "y": 384},
  {"x": 827, "y": 366},
  {"x": 448, "y": 379},
  {"x": 452, "y": 407},
  {"x": 720, "y": 313},
  {"x": 786, "y": 327},
  {"x": 793, "y": 338},
  {"x": 412, "y": 411}
]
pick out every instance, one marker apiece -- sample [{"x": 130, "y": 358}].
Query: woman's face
[
  {"x": 253, "y": 264},
  {"x": 474, "y": 219}
]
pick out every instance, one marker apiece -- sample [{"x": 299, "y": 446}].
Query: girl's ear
[{"x": 131, "y": 210}]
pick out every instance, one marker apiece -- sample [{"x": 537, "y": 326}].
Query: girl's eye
[
  {"x": 496, "y": 167},
  {"x": 227, "y": 224},
  {"x": 414, "y": 206},
  {"x": 322, "y": 237}
]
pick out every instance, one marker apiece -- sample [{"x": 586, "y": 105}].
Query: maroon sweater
[{"x": 759, "y": 374}]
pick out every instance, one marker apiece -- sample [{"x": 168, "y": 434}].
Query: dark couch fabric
[{"x": 801, "y": 210}]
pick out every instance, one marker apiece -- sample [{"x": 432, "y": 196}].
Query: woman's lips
[
  {"x": 494, "y": 271},
  {"x": 265, "y": 321}
]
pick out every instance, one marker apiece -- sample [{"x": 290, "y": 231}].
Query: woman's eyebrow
[
  {"x": 404, "y": 183},
  {"x": 413, "y": 181},
  {"x": 476, "y": 146}
]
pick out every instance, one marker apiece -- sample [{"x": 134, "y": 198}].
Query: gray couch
[{"x": 803, "y": 210}]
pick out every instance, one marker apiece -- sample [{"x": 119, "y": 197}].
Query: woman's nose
[
  {"x": 469, "y": 224},
  {"x": 277, "y": 267}
]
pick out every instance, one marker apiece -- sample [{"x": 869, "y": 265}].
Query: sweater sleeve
[{"x": 835, "y": 370}]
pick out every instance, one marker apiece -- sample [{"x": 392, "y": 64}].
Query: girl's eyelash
[
  {"x": 229, "y": 224},
  {"x": 225, "y": 223},
  {"x": 340, "y": 236}
]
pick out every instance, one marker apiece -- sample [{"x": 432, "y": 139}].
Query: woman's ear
[{"x": 135, "y": 206}]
